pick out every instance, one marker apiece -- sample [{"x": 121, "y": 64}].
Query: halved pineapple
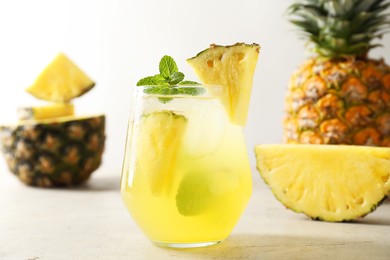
[
  {"x": 46, "y": 112},
  {"x": 326, "y": 182},
  {"x": 158, "y": 145},
  {"x": 54, "y": 152},
  {"x": 231, "y": 67},
  {"x": 61, "y": 81}
]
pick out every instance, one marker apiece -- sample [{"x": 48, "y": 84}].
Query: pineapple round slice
[
  {"x": 61, "y": 81},
  {"x": 326, "y": 182},
  {"x": 46, "y": 112},
  {"x": 54, "y": 152},
  {"x": 231, "y": 67}
]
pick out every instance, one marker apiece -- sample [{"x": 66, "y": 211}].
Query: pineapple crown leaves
[{"x": 341, "y": 28}]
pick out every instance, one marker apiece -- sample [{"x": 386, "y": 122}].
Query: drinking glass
[{"x": 186, "y": 178}]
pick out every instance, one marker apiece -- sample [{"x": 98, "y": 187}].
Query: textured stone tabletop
[{"x": 90, "y": 222}]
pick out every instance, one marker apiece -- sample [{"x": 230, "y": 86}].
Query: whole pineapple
[{"x": 340, "y": 96}]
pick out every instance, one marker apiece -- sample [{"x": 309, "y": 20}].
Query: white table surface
[{"x": 90, "y": 222}]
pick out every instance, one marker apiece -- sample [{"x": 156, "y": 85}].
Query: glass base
[{"x": 186, "y": 245}]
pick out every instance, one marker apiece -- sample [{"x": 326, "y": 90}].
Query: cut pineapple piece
[
  {"x": 61, "y": 81},
  {"x": 158, "y": 146},
  {"x": 326, "y": 182},
  {"x": 54, "y": 152},
  {"x": 46, "y": 112},
  {"x": 231, "y": 67}
]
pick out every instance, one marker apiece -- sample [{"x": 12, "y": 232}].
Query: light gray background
[{"x": 117, "y": 42}]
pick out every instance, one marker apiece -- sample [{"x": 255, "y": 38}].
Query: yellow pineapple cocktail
[{"x": 186, "y": 177}]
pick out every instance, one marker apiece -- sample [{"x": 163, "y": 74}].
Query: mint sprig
[{"x": 167, "y": 82}]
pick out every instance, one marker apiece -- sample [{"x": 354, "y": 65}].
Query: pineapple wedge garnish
[
  {"x": 231, "y": 67},
  {"x": 326, "y": 182},
  {"x": 61, "y": 81}
]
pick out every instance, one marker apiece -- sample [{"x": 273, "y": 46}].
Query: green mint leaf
[
  {"x": 194, "y": 196},
  {"x": 188, "y": 83},
  {"x": 191, "y": 91},
  {"x": 161, "y": 90},
  {"x": 167, "y": 66},
  {"x": 159, "y": 78},
  {"x": 151, "y": 81},
  {"x": 164, "y": 99},
  {"x": 166, "y": 90},
  {"x": 175, "y": 78},
  {"x": 157, "y": 90},
  {"x": 147, "y": 81}
]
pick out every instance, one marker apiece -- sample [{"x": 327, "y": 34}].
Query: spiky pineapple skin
[
  {"x": 339, "y": 102},
  {"x": 50, "y": 154}
]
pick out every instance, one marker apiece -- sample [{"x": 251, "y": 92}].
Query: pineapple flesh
[
  {"x": 61, "y": 81},
  {"x": 231, "y": 67},
  {"x": 326, "y": 182},
  {"x": 46, "y": 112},
  {"x": 340, "y": 95},
  {"x": 157, "y": 154}
]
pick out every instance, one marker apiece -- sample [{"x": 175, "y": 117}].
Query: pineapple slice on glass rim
[{"x": 231, "y": 67}]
